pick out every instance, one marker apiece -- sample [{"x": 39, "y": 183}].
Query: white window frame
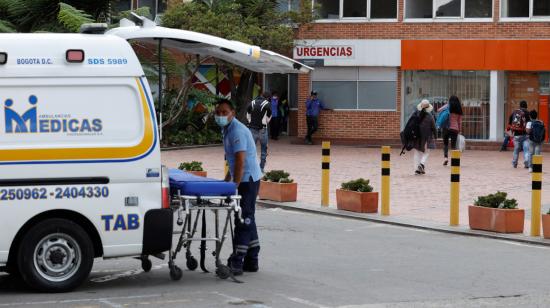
[
  {"x": 341, "y": 17},
  {"x": 531, "y": 17},
  {"x": 446, "y": 19}
]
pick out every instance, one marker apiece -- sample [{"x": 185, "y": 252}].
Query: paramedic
[{"x": 244, "y": 170}]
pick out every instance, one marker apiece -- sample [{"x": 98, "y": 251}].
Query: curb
[
  {"x": 189, "y": 147},
  {"x": 408, "y": 223}
]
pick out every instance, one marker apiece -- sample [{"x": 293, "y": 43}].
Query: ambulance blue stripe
[{"x": 155, "y": 128}]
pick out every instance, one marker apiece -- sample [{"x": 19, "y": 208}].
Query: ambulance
[{"x": 80, "y": 161}]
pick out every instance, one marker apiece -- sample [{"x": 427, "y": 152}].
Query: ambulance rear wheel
[{"x": 56, "y": 255}]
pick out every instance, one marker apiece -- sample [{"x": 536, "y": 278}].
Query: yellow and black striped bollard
[
  {"x": 325, "y": 177},
  {"x": 536, "y": 186},
  {"x": 386, "y": 150},
  {"x": 455, "y": 186}
]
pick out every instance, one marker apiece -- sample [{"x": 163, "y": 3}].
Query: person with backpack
[
  {"x": 258, "y": 115},
  {"x": 518, "y": 121},
  {"x": 537, "y": 134},
  {"x": 420, "y": 132},
  {"x": 450, "y": 122}
]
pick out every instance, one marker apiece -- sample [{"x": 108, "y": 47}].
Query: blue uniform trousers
[{"x": 246, "y": 242}]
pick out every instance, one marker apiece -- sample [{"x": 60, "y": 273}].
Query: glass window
[
  {"x": 328, "y": 9},
  {"x": 377, "y": 95},
  {"x": 355, "y": 8},
  {"x": 356, "y": 87},
  {"x": 448, "y": 8},
  {"x": 295, "y": 5},
  {"x": 471, "y": 87},
  {"x": 419, "y": 9},
  {"x": 383, "y": 9},
  {"x": 282, "y": 6},
  {"x": 541, "y": 8},
  {"x": 337, "y": 94},
  {"x": 478, "y": 9},
  {"x": 515, "y": 8}
]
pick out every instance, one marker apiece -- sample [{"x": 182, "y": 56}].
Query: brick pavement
[{"x": 412, "y": 196}]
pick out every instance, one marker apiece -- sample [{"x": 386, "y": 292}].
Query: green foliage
[
  {"x": 72, "y": 18},
  {"x": 254, "y": 22},
  {"x": 49, "y": 15},
  {"x": 496, "y": 200},
  {"x": 277, "y": 176},
  {"x": 191, "y": 166},
  {"x": 360, "y": 185}
]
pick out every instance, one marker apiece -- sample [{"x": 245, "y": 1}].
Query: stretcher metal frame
[{"x": 183, "y": 206}]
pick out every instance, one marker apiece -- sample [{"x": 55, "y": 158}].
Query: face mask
[{"x": 221, "y": 121}]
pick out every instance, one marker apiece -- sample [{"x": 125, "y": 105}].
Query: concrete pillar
[{"x": 496, "y": 127}]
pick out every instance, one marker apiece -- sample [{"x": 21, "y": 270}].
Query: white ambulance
[{"x": 80, "y": 166}]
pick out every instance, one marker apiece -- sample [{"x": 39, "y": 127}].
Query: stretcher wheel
[
  {"x": 192, "y": 263},
  {"x": 176, "y": 273},
  {"x": 146, "y": 265},
  {"x": 223, "y": 272}
]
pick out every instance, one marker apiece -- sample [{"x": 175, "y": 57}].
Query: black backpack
[
  {"x": 411, "y": 132},
  {"x": 518, "y": 121},
  {"x": 538, "y": 131}
]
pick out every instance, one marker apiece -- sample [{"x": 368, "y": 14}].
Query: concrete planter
[
  {"x": 281, "y": 192},
  {"x": 546, "y": 225},
  {"x": 496, "y": 220},
  {"x": 198, "y": 173},
  {"x": 360, "y": 202}
]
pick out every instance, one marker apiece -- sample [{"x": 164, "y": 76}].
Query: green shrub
[
  {"x": 360, "y": 185},
  {"x": 497, "y": 200},
  {"x": 277, "y": 176},
  {"x": 192, "y": 166}
]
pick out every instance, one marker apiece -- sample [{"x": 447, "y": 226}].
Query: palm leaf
[{"x": 71, "y": 17}]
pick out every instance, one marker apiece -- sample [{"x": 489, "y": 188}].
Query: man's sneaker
[
  {"x": 422, "y": 169},
  {"x": 530, "y": 170},
  {"x": 445, "y": 162},
  {"x": 250, "y": 265},
  {"x": 514, "y": 165},
  {"x": 526, "y": 166}
]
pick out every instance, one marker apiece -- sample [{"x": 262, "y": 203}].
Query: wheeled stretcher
[{"x": 192, "y": 197}]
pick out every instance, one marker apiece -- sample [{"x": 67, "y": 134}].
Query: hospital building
[{"x": 375, "y": 60}]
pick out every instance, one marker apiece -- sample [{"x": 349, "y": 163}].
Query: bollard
[
  {"x": 536, "y": 186},
  {"x": 455, "y": 186},
  {"x": 325, "y": 177},
  {"x": 386, "y": 150}
]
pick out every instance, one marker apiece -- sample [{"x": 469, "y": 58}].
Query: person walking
[
  {"x": 453, "y": 128},
  {"x": 427, "y": 135},
  {"x": 537, "y": 134},
  {"x": 275, "y": 123},
  {"x": 518, "y": 121},
  {"x": 313, "y": 109},
  {"x": 240, "y": 152},
  {"x": 284, "y": 110},
  {"x": 258, "y": 115}
]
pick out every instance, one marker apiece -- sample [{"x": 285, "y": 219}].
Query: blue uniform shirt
[
  {"x": 274, "y": 107},
  {"x": 313, "y": 107},
  {"x": 237, "y": 138}
]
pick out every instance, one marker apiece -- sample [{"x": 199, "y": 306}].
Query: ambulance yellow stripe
[{"x": 89, "y": 153}]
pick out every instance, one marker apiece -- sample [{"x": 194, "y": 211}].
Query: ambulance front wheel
[{"x": 55, "y": 255}]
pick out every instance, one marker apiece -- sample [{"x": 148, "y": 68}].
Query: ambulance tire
[{"x": 56, "y": 255}]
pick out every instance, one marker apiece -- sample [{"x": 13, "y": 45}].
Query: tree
[
  {"x": 49, "y": 15},
  {"x": 255, "y": 22}
]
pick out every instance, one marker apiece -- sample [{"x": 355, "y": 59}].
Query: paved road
[{"x": 320, "y": 261}]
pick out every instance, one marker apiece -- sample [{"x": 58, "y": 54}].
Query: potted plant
[
  {"x": 496, "y": 213},
  {"x": 194, "y": 167},
  {"x": 546, "y": 224},
  {"x": 277, "y": 186},
  {"x": 357, "y": 196}
]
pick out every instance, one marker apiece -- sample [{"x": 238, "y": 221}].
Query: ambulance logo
[{"x": 31, "y": 122}]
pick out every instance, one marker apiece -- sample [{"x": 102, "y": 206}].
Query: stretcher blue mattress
[{"x": 193, "y": 185}]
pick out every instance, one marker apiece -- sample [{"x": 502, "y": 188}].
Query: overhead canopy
[{"x": 248, "y": 56}]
